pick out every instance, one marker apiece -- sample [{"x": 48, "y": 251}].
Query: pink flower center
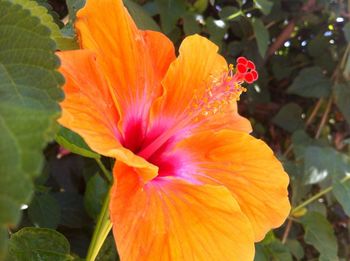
[
  {"x": 137, "y": 138},
  {"x": 156, "y": 144}
]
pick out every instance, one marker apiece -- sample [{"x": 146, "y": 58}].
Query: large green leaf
[
  {"x": 312, "y": 83},
  {"x": 33, "y": 244},
  {"x": 63, "y": 42},
  {"x": 29, "y": 87},
  {"x": 320, "y": 234}
]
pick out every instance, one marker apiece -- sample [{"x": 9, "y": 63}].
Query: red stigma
[{"x": 247, "y": 70}]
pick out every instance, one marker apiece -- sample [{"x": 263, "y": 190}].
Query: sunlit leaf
[
  {"x": 29, "y": 86},
  {"x": 63, "y": 42}
]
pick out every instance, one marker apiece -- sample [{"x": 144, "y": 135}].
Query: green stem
[
  {"x": 102, "y": 229},
  {"x": 316, "y": 196},
  {"x": 105, "y": 172}
]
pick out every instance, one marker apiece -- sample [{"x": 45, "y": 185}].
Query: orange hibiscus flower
[{"x": 190, "y": 183}]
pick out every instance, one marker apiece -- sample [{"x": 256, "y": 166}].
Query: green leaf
[
  {"x": 95, "y": 193},
  {"x": 170, "y": 12},
  {"x": 316, "y": 164},
  {"x": 295, "y": 248},
  {"x": 311, "y": 83},
  {"x": 319, "y": 207},
  {"x": 341, "y": 191},
  {"x": 278, "y": 251},
  {"x": 191, "y": 26},
  {"x": 44, "y": 211},
  {"x": 216, "y": 32},
  {"x": 230, "y": 13},
  {"x": 200, "y": 5},
  {"x": 301, "y": 140},
  {"x": 272, "y": 250},
  {"x": 32, "y": 244},
  {"x": 318, "y": 46},
  {"x": 321, "y": 162},
  {"x": 73, "y": 212},
  {"x": 342, "y": 99},
  {"x": 74, "y": 143},
  {"x": 346, "y": 30},
  {"x": 73, "y": 7},
  {"x": 3, "y": 242},
  {"x": 108, "y": 250},
  {"x": 320, "y": 234},
  {"x": 264, "y": 5},
  {"x": 63, "y": 43},
  {"x": 262, "y": 36},
  {"x": 141, "y": 17},
  {"x": 289, "y": 117},
  {"x": 29, "y": 87}
]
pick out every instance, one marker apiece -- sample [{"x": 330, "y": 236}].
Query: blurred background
[{"x": 300, "y": 106}]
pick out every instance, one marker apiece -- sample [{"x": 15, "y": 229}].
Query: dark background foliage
[{"x": 300, "y": 106}]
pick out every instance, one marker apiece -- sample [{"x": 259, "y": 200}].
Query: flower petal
[
  {"x": 248, "y": 168},
  {"x": 88, "y": 107},
  {"x": 133, "y": 61},
  {"x": 89, "y": 110},
  {"x": 189, "y": 73},
  {"x": 170, "y": 219},
  {"x": 187, "y": 79},
  {"x": 228, "y": 118}
]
